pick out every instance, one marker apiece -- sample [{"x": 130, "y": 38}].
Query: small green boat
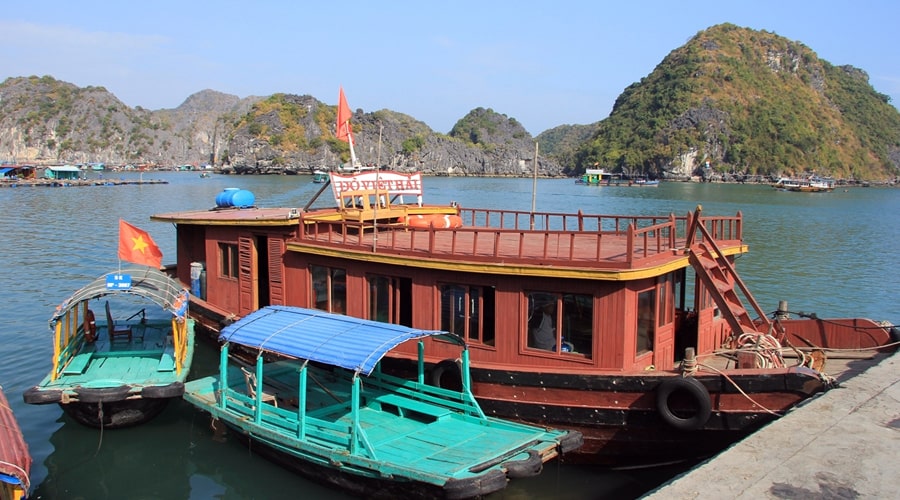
[
  {"x": 325, "y": 409},
  {"x": 119, "y": 372}
]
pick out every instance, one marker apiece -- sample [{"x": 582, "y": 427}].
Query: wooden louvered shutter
[
  {"x": 246, "y": 278},
  {"x": 276, "y": 272}
]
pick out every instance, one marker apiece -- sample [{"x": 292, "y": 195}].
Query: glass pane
[
  {"x": 474, "y": 305},
  {"x": 338, "y": 291},
  {"x": 646, "y": 321},
  {"x": 319, "y": 284},
  {"x": 542, "y": 321},
  {"x": 453, "y": 309},
  {"x": 578, "y": 322},
  {"x": 379, "y": 298}
]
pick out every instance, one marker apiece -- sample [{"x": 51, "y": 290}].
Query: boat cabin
[{"x": 570, "y": 291}]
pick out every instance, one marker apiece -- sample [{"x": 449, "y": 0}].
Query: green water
[{"x": 830, "y": 253}]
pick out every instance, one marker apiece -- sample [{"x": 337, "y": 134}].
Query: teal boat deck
[
  {"x": 148, "y": 356},
  {"x": 405, "y": 425}
]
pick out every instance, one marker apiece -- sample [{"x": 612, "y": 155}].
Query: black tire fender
[
  {"x": 104, "y": 395},
  {"x": 447, "y": 375},
  {"x": 529, "y": 467},
  {"x": 173, "y": 390},
  {"x": 35, "y": 396},
  {"x": 698, "y": 395}
]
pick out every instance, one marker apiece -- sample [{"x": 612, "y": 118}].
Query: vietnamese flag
[
  {"x": 343, "y": 131},
  {"x": 135, "y": 245}
]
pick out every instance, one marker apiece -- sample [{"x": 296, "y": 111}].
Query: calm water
[{"x": 833, "y": 254}]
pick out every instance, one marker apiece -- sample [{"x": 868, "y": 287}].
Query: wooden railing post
[
  {"x": 629, "y": 246},
  {"x": 672, "y": 230}
]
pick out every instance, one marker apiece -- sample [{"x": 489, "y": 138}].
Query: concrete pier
[{"x": 841, "y": 444}]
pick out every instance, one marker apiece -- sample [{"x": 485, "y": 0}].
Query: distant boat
[
  {"x": 600, "y": 177},
  {"x": 204, "y": 175},
  {"x": 595, "y": 177},
  {"x": 15, "y": 459},
  {"x": 644, "y": 182},
  {"x": 320, "y": 405},
  {"x": 812, "y": 184},
  {"x": 320, "y": 176},
  {"x": 122, "y": 372}
]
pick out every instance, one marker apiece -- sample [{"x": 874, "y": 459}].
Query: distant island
[{"x": 731, "y": 103}]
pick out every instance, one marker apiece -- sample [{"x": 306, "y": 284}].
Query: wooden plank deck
[{"x": 539, "y": 240}]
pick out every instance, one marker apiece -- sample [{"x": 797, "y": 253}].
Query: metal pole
[{"x": 534, "y": 185}]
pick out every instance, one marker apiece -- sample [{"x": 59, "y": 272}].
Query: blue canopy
[
  {"x": 146, "y": 282},
  {"x": 338, "y": 340}
]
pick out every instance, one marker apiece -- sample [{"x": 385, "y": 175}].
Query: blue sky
[{"x": 543, "y": 63}]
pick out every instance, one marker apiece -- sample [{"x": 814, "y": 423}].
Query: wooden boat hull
[
  {"x": 15, "y": 459},
  {"x": 115, "y": 414},
  {"x": 624, "y": 418},
  {"x": 362, "y": 486}
]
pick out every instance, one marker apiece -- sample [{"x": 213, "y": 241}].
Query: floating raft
[{"x": 78, "y": 182}]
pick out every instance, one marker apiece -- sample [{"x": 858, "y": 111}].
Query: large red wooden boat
[{"x": 634, "y": 330}]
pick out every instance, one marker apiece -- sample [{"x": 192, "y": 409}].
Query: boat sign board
[{"x": 118, "y": 281}]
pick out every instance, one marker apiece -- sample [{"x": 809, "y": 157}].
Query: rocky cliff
[{"x": 43, "y": 120}]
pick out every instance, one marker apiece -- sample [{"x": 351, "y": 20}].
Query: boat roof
[
  {"x": 146, "y": 282},
  {"x": 234, "y": 216},
  {"x": 15, "y": 460},
  {"x": 352, "y": 343}
]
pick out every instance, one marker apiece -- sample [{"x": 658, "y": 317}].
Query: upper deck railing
[{"x": 517, "y": 237}]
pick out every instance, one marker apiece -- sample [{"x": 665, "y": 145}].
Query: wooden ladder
[{"x": 721, "y": 279}]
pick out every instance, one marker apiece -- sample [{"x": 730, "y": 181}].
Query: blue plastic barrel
[{"x": 234, "y": 197}]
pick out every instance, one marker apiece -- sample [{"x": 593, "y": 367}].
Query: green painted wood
[
  {"x": 167, "y": 360},
  {"x": 78, "y": 363}
]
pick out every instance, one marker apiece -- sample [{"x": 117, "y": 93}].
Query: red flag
[
  {"x": 135, "y": 245},
  {"x": 343, "y": 131}
]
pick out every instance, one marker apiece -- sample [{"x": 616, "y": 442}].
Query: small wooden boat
[
  {"x": 326, "y": 410},
  {"x": 119, "y": 373},
  {"x": 15, "y": 460}
]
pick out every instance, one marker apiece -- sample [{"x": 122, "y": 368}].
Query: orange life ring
[
  {"x": 437, "y": 221},
  {"x": 90, "y": 326}
]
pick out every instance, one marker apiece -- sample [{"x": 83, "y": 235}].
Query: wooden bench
[
  {"x": 366, "y": 207},
  {"x": 403, "y": 403},
  {"x": 78, "y": 364}
]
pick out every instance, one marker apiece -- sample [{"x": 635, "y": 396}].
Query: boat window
[
  {"x": 389, "y": 299},
  {"x": 329, "y": 288},
  {"x": 646, "y": 321},
  {"x": 468, "y": 311},
  {"x": 380, "y": 299},
  {"x": 228, "y": 260},
  {"x": 665, "y": 312},
  {"x": 561, "y": 323},
  {"x": 578, "y": 323}
]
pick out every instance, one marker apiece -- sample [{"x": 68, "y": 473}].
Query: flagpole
[{"x": 353, "y": 161}]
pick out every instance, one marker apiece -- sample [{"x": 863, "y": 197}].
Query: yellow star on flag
[{"x": 139, "y": 244}]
